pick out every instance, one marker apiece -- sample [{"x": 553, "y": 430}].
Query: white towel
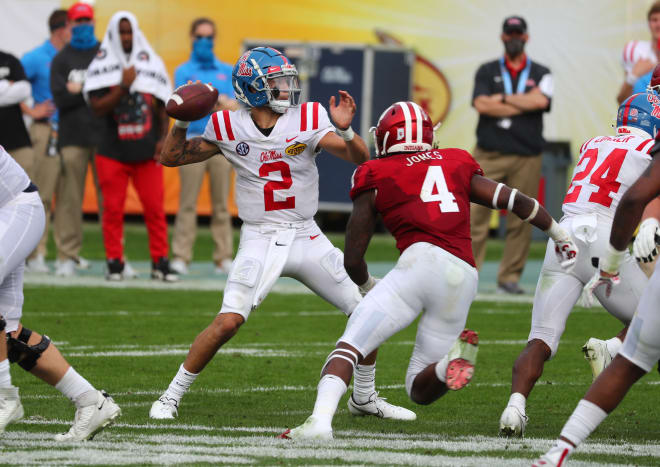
[
  {"x": 278, "y": 253},
  {"x": 110, "y": 61}
]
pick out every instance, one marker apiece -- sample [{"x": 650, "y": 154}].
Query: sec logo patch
[
  {"x": 242, "y": 149},
  {"x": 295, "y": 149}
]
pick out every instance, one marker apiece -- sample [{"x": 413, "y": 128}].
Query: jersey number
[
  {"x": 603, "y": 176},
  {"x": 269, "y": 198},
  {"x": 435, "y": 189}
]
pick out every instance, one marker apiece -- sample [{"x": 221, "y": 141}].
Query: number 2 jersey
[
  {"x": 276, "y": 175},
  {"x": 423, "y": 197},
  {"x": 607, "y": 167}
]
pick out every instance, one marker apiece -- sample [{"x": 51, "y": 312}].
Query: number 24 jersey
[
  {"x": 276, "y": 175},
  {"x": 423, "y": 197}
]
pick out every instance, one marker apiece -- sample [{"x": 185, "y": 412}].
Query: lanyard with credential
[{"x": 506, "y": 77}]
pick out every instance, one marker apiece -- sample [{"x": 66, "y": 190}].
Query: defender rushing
[
  {"x": 608, "y": 166},
  {"x": 424, "y": 196},
  {"x": 272, "y": 144}
]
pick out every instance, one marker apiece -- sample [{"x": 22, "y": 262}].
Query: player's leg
[
  {"x": 555, "y": 296},
  {"x": 236, "y": 306},
  {"x": 320, "y": 266},
  {"x": 445, "y": 353}
]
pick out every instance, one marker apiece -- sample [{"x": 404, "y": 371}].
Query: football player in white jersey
[
  {"x": 641, "y": 348},
  {"x": 272, "y": 142},
  {"x": 22, "y": 221},
  {"x": 607, "y": 167}
]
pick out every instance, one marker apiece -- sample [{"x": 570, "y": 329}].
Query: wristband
[
  {"x": 348, "y": 134},
  {"x": 181, "y": 124},
  {"x": 612, "y": 260},
  {"x": 631, "y": 79}
]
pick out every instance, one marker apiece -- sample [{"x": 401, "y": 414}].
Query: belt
[
  {"x": 31, "y": 188},
  {"x": 45, "y": 120}
]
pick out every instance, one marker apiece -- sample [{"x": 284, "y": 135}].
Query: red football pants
[{"x": 147, "y": 179}]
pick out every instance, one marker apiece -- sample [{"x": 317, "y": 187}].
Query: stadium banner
[{"x": 581, "y": 42}]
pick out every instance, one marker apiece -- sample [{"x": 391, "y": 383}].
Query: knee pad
[{"x": 18, "y": 350}]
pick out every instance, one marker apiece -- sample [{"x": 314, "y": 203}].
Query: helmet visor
[{"x": 285, "y": 88}]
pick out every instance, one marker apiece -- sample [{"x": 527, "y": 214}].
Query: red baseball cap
[{"x": 80, "y": 10}]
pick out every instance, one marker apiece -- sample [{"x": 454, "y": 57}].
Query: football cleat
[
  {"x": 513, "y": 422},
  {"x": 311, "y": 429},
  {"x": 11, "y": 409},
  {"x": 92, "y": 418},
  {"x": 596, "y": 353},
  {"x": 462, "y": 357},
  {"x": 164, "y": 408},
  {"x": 378, "y": 407},
  {"x": 555, "y": 457}
]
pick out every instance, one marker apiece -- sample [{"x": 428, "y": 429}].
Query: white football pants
[
  {"x": 22, "y": 223},
  {"x": 557, "y": 291},
  {"x": 425, "y": 277},
  {"x": 265, "y": 252}
]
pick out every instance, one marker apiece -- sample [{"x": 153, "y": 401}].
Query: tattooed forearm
[{"x": 179, "y": 151}]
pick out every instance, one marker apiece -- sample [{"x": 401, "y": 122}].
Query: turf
[{"x": 131, "y": 342}]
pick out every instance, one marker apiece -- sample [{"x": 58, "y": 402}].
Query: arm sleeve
[
  {"x": 180, "y": 76},
  {"x": 627, "y": 57},
  {"x": 481, "y": 83},
  {"x": 16, "y": 71},
  {"x": 63, "y": 99},
  {"x": 30, "y": 66},
  {"x": 362, "y": 180},
  {"x": 13, "y": 93},
  {"x": 324, "y": 125},
  {"x": 547, "y": 88},
  {"x": 210, "y": 135}
]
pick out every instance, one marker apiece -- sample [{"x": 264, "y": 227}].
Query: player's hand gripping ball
[{"x": 191, "y": 101}]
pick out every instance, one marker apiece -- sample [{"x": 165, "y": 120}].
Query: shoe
[
  {"x": 161, "y": 270},
  {"x": 82, "y": 263},
  {"x": 462, "y": 358},
  {"x": 37, "y": 265},
  {"x": 115, "y": 270},
  {"x": 555, "y": 457},
  {"x": 378, "y": 407},
  {"x": 311, "y": 429},
  {"x": 596, "y": 353},
  {"x": 179, "y": 266},
  {"x": 513, "y": 422},
  {"x": 164, "y": 408},
  {"x": 224, "y": 267},
  {"x": 92, "y": 418},
  {"x": 66, "y": 268},
  {"x": 129, "y": 272},
  {"x": 11, "y": 409},
  {"x": 510, "y": 288}
]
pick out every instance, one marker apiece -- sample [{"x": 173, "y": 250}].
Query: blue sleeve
[
  {"x": 642, "y": 83},
  {"x": 227, "y": 88},
  {"x": 30, "y": 65},
  {"x": 180, "y": 75}
]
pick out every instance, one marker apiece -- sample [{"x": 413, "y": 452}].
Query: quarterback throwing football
[
  {"x": 424, "y": 196},
  {"x": 272, "y": 143}
]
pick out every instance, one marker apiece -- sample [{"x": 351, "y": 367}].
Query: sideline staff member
[{"x": 510, "y": 94}]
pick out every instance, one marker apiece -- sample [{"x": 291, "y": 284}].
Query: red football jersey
[{"x": 423, "y": 197}]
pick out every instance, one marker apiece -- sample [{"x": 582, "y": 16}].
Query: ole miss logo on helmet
[{"x": 244, "y": 70}]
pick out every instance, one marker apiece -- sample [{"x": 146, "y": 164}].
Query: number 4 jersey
[
  {"x": 423, "y": 197},
  {"x": 608, "y": 166},
  {"x": 276, "y": 175}
]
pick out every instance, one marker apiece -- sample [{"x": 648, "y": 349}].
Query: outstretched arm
[
  {"x": 349, "y": 146},
  {"x": 177, "y": 150},
  {"x": 359, "y": 230}
]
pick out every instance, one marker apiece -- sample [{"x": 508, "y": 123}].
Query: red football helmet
[
  {"x": 403, "y": 127},
  {"x": 655, "y": 79}
]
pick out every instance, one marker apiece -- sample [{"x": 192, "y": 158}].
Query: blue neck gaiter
[
  {"x": 82, "y": 36},
  {"x": 202, "y": 51}
]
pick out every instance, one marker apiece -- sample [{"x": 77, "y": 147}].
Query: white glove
[
  {"x": 367, "y": 286},
  {"x": 588, "y": 299},
  {"x": 566, "y": 251},
  {"x": 644, "y": 247}
]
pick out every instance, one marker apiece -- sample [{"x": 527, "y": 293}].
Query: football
[{"x": 191, "y": 101}]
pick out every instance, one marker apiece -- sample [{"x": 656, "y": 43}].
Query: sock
[
  {"x": 331, "y": 388},
  {"x": 613, "y": 345},
  {"x": 585, "y": 418},
  {"x": 364, "y": 383},
  {"x": 518, "y": 401},
  {"x": 5, "y": 376},
  {"x": 441, "y": 369},
  {"x": 72, "y": 385},
  {"x": 180, "y": 384}
]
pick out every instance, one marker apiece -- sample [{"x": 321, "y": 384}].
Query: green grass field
[{"x": 131, "y": 342}]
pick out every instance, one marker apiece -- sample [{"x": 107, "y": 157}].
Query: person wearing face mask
[
  {"x": 511, "y": 94},
  {"x": 205, "y": 67},
  {"x": 78, "y": 135}
]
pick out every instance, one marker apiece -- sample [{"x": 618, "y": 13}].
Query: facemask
[
  {"x": 514, "y": 47},
  {"x": 82, "y": 36},
  {"x": 203, "y": 50}
]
